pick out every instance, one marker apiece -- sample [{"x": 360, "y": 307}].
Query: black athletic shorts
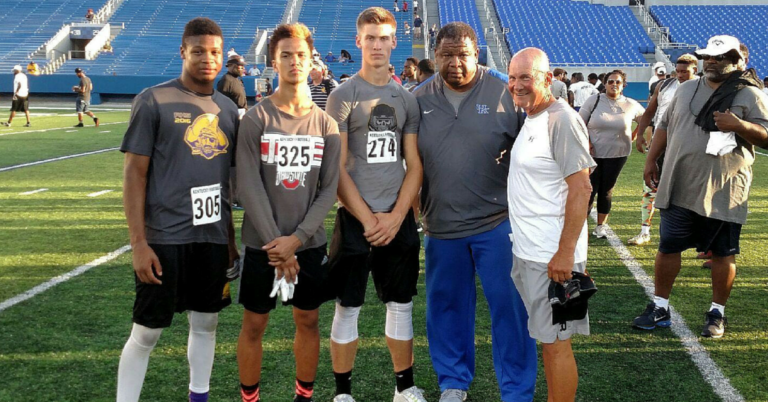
[
  {"x": 20, "y": 104},
  {"x": 194, "y": 278},
  {"x": 258, "y": 277},
  {"x": 395, "y": 267},
  {"x": 682, "y": 229}
]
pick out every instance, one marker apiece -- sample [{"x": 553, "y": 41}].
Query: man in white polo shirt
[
  {"x": 548, "y": 190},
  {"x": 20, "y": 101}
]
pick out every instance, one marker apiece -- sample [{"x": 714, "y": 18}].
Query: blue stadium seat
[
  {"x": 574, "y": 31},
  {"x": 696, "y": 24},
  {"x": 149, "y": 44},
  {"x": 333, "y": 25},
  {"x": 25, "y": 25},
  {"x": 464, "y": 11}
]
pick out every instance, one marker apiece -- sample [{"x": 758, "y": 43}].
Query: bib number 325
[
  {"x": 382, "y": 147},
  {"x": 206, "y": 204}
]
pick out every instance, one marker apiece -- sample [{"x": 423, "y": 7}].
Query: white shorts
[{"x": 532, "y": 283}]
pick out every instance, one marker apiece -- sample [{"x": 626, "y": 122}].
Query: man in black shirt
[{"x": 231, "y": 85}]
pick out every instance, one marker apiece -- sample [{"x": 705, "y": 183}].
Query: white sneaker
[
  {"x": 411, "y": 394},
  {"x": 640, "y": 239},
  {"x": 453, "y": 395},
  {"x": 343, "y": 398},
  {"x": 600, "y": 232}
]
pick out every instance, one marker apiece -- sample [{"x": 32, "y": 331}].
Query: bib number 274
[
  {"x": 382, "y": 147},
  {"x": 206, "y": 204}
]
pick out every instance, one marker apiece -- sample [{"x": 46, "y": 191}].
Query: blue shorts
[{"x": 682, "y": 229}]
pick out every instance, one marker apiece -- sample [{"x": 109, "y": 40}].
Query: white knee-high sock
[
  {"x": 133, "y": 362},
  {"x": 200, "y": 349}
]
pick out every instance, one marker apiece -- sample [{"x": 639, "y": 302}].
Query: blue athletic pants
[{"x": 451, "y": 298}]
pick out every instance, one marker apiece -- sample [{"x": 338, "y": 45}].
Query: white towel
[{"x": 721, "y": 143}]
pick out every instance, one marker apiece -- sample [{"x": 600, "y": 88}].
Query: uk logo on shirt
[{"x": 482, "y": 109}]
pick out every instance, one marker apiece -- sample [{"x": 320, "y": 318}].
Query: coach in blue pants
[{"x": 468, "y": 125}]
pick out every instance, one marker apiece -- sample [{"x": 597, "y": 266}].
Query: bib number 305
[
  {"x": 382, "y": 147},
  {"x": 206, "y": 204}
]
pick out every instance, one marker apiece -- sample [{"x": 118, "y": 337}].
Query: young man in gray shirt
[
  {"x": 83, "y": 102},
  {"x": 179, "y": 147},
  {"x": 704, "y": 186},
  {"x": 375, "y": 231},
  {"x": 288, "y": 173},
  {"x": 468, "y": 125}
]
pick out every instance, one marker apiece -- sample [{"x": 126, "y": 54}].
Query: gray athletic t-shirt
[
  {"x": 375, "y": 119},
  {"x": 610, "y": 124},
  {"x": 559, "y": 89},
  {"x": 190, "y": 138},
  {"x": 287, "y": 174},
  {"x": 87, "y": 86},
  {"x": 466, "y": 155},
  {"x": 712, "y": 186}
]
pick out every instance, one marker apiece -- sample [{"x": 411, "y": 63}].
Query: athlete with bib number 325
[
  {"x": 179, "y": 148},
  {"x": 287, "y": 176}
]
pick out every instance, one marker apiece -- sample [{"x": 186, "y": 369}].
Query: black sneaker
[
  {"x": 28, "y": 125},
  {"x": 79, "y": 125},
  {"x": 96, "y": 121},
  {"x": 5, "y": 123},
  {"x": 714, "y": 324},
  {"x": 653, "y": 317}
]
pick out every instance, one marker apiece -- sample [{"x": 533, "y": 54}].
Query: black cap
[
  {"x": 78, "y": 70},
  {"x": 236, "y": 59}
]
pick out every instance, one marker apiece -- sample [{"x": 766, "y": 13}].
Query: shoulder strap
[
  {"x": 593, "y": 108},
  {"x": 666, "y": 83}
]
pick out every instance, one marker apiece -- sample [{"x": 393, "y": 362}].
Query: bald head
[
  {"x": 532, "y": 58},
  {"x": 529, "y": 80}
]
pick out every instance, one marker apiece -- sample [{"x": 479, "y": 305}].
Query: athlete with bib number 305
[
  {"x": 179, "y": 148},
  {"x": 375, "y": 231}
]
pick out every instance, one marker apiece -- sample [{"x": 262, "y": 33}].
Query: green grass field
[{"x": 64, "y": 344}]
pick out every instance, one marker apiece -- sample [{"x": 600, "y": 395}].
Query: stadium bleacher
[
  {"x": 333, "y": 25},
  {"x": 464, "y": 11},
  {"x": 25, "y": 25},
  {"x": 149, "y": 43},
  {"x": 696, "y": 24},
  {"x": 574, "y": 31}
]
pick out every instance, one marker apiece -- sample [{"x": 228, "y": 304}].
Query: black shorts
[
  {"x": 395, "y": 267},
  {"x": 20, "y": 104},
  {"x": 82, "y": 106},
  {"x": 258, "y": 276},
  {"x": 194, "y": 278},
  {"x": 682, "y": 229}
]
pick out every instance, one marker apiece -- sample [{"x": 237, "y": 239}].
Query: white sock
[
  {"x": 719, "y": 307},
  {"x": 661, "y": 302},
  {"x": 645, "y": 230},
  {"x": 200, "y": 349},
  {"x": 134, "y": 361}
]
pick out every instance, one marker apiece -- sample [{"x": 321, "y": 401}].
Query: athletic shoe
[
  {"x": 419, "y": 227},
  {"x": 453, "y": 395},
  {"x": 600, "y": 232},
  {"x": 704, "y": 256},
  {"x": 714, "y": 324},
  {"x": 640, "y": 240},
  {"x": 28, "y": 125},
  {"x": 707, "y": 264},
  {"x": 653, "y": 317},
  {"x": 343, "y": 398},
  {"x": 96, "y": 120},
  {"x": 411, "y": 394},
  {"x": 5, "y": 123},
  {"x": 237, "y": 206},
  {"x": 80, "y": 125}
]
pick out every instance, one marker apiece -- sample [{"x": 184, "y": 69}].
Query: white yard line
[
  {"x": 60, "y": 158},
  {"x": 98, "y": 193},
  {"x": 761, "y": 153},
  {"x": 61, "y": 278},
  {"x": 60, "y": 128},
  {"x": 708, "y": 368},
  {"x": 39, "y": 190}
]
